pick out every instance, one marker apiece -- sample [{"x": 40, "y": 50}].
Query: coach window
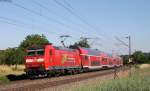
[
  {"x": 104, "y": 59},
  {"x": 85, "y": 57}
]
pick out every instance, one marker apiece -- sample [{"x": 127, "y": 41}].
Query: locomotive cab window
[
  {"x": 41, "y": 52},
  {"x": 35, "y": 52},
  {"x": 31, "y": 53}
]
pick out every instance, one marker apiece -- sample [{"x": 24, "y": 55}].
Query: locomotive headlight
[
  {"x": 40, "y": 60},
  {"x": 29, "y": 60}
]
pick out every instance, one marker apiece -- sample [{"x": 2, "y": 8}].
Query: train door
[
  {"x": 104, "y": 61},
  {"x": 110, "y": 63},
  {"x": 85, "y": 62},
  {"x": 48, "y": 56}
]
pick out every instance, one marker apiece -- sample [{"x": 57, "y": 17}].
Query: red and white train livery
[{"x": 47, "y": 59}]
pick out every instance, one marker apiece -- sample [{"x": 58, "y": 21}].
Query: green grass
[
  {"x": 139, "y": 81},
  {"x": 4, "y": 80}
]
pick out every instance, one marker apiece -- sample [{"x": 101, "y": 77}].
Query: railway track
[{"x": 33, "y": 85}]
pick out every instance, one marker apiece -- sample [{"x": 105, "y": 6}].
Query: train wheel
[
  {"x": 72, "y": 72},
  {"x": 48, "y": 75}
]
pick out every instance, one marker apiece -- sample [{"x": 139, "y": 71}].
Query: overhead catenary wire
[
  {"x": 79, "y": 27},
  {"x": 71, "y": 10},
  {"x": 59, "y": 15},
  {"x": 77, "y": 16},
  {"x": 106, "y": 37},
  {"x": 39, "y": 14},
  {"x": 124, "y": 47},
  {"x": 12, "y": 20},
  {"x": 37, "y": 27},
  {"x": 10, "y": 23},
  {"x": 19, "y": 23},
  {"x": 49, "y": 10},
  {"x": 68, "y": 4},
  {"x": 47, "y": 18},
  {"x": 25, "y": 25},
  {"x": 22, "y": 24},
  {"x": 122, "y": 42}
]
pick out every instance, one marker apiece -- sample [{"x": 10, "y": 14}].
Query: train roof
[
  {"x": 96, "y": 52},
  {"x": 63, "y": 48},
  {"x": 93, "y": 51}
]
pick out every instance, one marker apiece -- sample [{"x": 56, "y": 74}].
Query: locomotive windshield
[
  {"x": 40, "y": 52},
  {"x": 35, "y": 52},
  {"x": 31, "y": 53}
]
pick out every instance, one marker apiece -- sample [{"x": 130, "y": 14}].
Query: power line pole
[
  {"x": 130, "y": 59},
  {"x": 129, "y": 45}
]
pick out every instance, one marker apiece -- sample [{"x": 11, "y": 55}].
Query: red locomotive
[{"x": 47, "y": 59}]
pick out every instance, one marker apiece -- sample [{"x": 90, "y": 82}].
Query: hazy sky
[{"x": 102, "y": 19}]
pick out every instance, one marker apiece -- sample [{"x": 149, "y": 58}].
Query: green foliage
[
  {"x": 139, "y": 57},
  {"x": 147, "y": 57},
  {"x": 12, "y": 56},
  {"x": 125, "y": 59},
  {"x": 34, "y": 40},
  {"x": 81, "y": 43},
  {"x": 4, "y": 80},
  {"x": 2, "y": 57},
  {"x": 19, "y": 56}
]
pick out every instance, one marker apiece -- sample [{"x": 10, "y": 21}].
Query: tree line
[{"x": 137, "y": 57}]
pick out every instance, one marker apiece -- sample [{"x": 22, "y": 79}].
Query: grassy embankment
[
  {"x": 138, "y": 81},
  {"x": 5, "y": 71}
]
